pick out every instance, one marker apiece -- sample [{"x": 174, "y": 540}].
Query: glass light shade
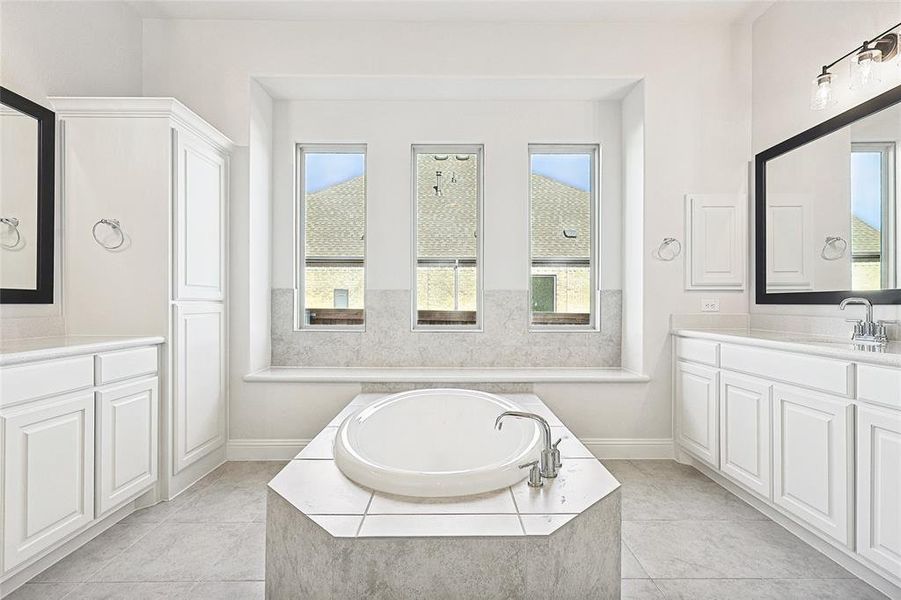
[
  {"x": 866, "y": 69},
  {"x": 822, "y": 93}
]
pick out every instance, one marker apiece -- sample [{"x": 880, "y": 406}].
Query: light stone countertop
[
  {"x": 46, "y": 348},
  {"x": 805, "y": 343},
  {"x": 314, "y": 485}
]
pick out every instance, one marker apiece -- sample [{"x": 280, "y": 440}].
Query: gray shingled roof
[
  {"x": 335, "y": 215},
  {"x": 865, "y": 239}
]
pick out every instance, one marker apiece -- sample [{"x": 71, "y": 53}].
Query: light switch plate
[{"x": 710, "y": 305}]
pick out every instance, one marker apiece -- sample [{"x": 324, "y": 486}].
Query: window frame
[
  {"x": 888, "y": 256},
  {"x": 594, "y": 266},
  {"x": 428, "y": 148},
  {"x": 302, "y": 148}
]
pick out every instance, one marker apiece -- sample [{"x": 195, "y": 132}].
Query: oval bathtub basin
[{"x": 436, "y": 443}]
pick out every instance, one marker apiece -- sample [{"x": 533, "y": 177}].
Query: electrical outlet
[{"x": 710, "y": 305}]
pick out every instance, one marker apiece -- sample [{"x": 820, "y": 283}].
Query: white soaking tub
[{"x": 435, "y": 443}]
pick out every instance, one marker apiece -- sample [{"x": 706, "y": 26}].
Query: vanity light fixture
[{"x": 866, "y": 65}]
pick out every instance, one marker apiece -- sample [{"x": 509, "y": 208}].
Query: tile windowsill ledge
[{"x": 442, "y": 375}]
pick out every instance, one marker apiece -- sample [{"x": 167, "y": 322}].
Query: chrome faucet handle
[
  {"x": 535, "y": 480},
  {"x": 558, "y": 462}
]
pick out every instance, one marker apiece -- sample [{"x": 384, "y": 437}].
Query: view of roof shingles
[
  {"x": 447, "y": 223},
  {"x": 865, "y": 239}
]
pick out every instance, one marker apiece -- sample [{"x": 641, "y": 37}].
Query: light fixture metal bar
[{"x": 861, "y": 47}]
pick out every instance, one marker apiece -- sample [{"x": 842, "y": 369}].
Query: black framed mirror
[
  {"x": 828, "y": 210},
  {"x": 26, "y": 200}
]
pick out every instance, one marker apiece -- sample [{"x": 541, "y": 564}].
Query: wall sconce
[{"x": 866, "y": 64}]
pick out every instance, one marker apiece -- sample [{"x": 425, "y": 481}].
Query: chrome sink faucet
[
  {"x": 549, "y": 463},
  {"x": 867, "y": 332}
]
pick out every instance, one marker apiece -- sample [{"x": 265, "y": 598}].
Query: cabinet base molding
[
  {"x": 21, "y": 575},
  {"x": 193, "y": 473},
  {"x": 872, "y": 575}
]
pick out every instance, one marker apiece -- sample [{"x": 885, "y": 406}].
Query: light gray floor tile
[
  {"x": 245, "y": 560},
  {"x": 639, "y": 589},
  {"x": 724, "y": 549},
  {"x": 687, "y": 499},
  {"x": 39, "y": 591},
  {"x": 132, "y": 591},
  {"x": 226, "y": 501},
  {"x": 767, "y": 589},
  {"x": 249, "y": 472},
  {"x": 229, "y": 590},
  {"x": 624, "y": 470},
  {"x": 173, "y": 552},
  {"x": 631, "y": 568},
  {"x": 162, "y": 511},
  {"x": 90, "y": 558},
  {"x": 668, "y": 469}
]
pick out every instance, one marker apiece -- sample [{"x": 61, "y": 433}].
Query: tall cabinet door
[
  {"x": 200, "y": 192},
  {"x": 745, "y": 413},
  {"x": 879, "y": 486},
  {"x": 48, "y": 483},
  {"x": 199, "y": 381},
  {"x": 697, "y": 411},
  {"x": 127, "y": 440},
  {"x": 812, "y": 435}
]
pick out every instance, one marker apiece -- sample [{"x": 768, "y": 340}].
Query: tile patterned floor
[{"x": 684, "y": 538}]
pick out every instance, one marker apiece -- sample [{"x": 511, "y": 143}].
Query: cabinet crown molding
[{"x": 68, "y": 107}]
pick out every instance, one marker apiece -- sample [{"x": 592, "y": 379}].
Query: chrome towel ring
[
  {"x": 112, "y": 224},
  {"x": 13, "y": 224},
  {"x": 673, "y": 244},
  {"x": 838, "y": 243}
]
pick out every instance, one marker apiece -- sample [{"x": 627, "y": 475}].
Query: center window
[{"x": 448, "y": 200}]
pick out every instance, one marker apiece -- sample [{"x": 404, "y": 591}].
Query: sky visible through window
[
  {"x": 571, "y": 169},
  {"x": 324, "y": 170},
  {"x": 866, "y": 187}
]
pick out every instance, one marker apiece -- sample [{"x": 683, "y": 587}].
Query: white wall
[
  {"x": 791, "y": 42},
  {"x": 696, "y": 120},
  {"x": 65, "y": 49}
]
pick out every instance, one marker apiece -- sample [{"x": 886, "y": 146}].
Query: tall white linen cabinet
[{"x": 144, "y": 191}]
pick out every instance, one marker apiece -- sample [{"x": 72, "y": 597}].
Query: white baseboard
[
  {"x": 286, "y": 449},
  {"x": 630, "y": 447},
  {"x": 264, "y": 449}
]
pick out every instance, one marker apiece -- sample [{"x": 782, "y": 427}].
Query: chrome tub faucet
[{"x": 549, "y": 463}]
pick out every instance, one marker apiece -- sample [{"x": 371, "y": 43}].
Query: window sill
[{"x": 441, "y": 375}]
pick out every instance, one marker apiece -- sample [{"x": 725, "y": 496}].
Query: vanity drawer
[
  {"x": 124, "y": 364},
  {"x": 814, "y": 372},
  {"x": 39, "y": 380},
  {"x": 879, "y": 385},
  {"x": 699, "y": 351}
]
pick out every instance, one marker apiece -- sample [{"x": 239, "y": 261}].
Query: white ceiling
[
  {"x": 445, "y": 88},
  {"x": 703, "y": 11}
]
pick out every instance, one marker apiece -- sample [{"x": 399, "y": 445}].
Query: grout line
[
  {"x": 516, "y": 508},
  {"x": 365, "y": 512}
]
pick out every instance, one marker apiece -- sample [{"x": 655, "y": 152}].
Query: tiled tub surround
[
  {"x": 389, "y": 342},
  {"x": 327, "y": 537}
]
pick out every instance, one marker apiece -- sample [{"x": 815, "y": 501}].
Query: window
[
  {"x": 331, "y": 232},
  {"x": 872, "y": 216},
  {"x": 447, "y": 208},
  {"x": 563, "y": 242}
]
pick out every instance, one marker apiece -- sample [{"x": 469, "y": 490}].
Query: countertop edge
[{"x": 104, "y": 344}]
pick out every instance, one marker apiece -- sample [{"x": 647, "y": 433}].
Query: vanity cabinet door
[
  {"x": 745, "y": 417},
  {"x": 48, "y": 474},
  {"x": 812, "y": 454},
  {"x": 697, "y": 411},
  {"x": 127, "y": 439},
  {"x": 200, "y": 188},
  {"x": 199, "y": 381},
  {"x": 879, "y": 486}
]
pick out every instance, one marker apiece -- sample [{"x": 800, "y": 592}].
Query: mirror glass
[
  {"x": 18, "y": 199},
  {"x": 832, "y": 217}
]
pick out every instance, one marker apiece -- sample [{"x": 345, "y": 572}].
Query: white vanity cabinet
[
  {"x": 879, "y": 486},
  {"x": 812, "y": 430},
  {"x": 162, "y": 172},
  {"x": 697, "y": 404},
  {"x": 812, "y": 458},
  {"x": 48, "y": 473},
  {"x": 79, "y": 424}
]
